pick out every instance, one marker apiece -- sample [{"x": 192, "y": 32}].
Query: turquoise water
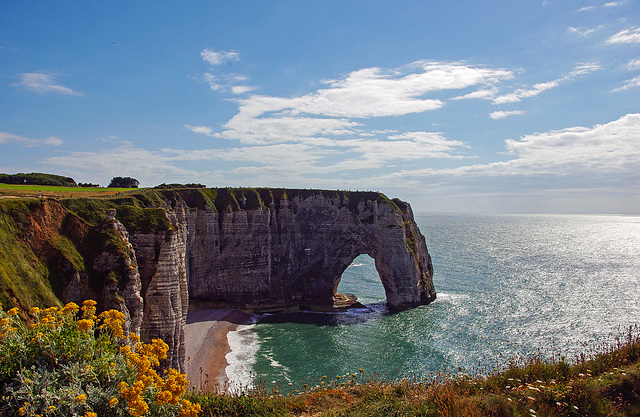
[{"x": 507, "y": 286}]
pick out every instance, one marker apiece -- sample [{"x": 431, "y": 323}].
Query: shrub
[
  {"x": 67, "y": 363},
  {"x": 123, "y": 182}
]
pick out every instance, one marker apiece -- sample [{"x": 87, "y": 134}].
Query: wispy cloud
[
  {"x": 632, "y": 65},
  {"x": 502, "y": 114},
  {"x": 242, "y": 89},
  {"x": 227, "y": 83},
  {"x": 6, "y": 137},
  {"x": 605, "y": 5},
  {"x": 215, "y": 58},
  {"x": 634, "y": 82},
  {"x": 42, "y": 83},
  {"x": 582, "y": 31},
  {"x": 625, "y": 36},
  {"x": 536, "y": 89}
]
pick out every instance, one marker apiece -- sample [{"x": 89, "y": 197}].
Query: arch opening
[{"x": 360, "y": 283}]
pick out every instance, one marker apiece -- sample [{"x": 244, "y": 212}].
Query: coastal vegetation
[{"x": 71, "y": 362}]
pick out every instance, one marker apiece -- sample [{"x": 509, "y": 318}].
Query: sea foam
[{"x": 244, "y": 345}]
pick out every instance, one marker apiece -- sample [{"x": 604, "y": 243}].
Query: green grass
[{"x": 50, "y": 191}]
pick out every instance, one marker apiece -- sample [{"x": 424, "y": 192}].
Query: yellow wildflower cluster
[
  {"x": 148, "y": 393},
  {"x": 113, "y": 320},
  {"x": 169, "y": 389}
]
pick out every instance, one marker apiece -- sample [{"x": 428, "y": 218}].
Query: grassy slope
[
  {"x": 605, "y": 384},
  {"x": 23, "y": 276}
]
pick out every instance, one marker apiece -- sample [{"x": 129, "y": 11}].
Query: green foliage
[
  {"x": 65, "y": 365},
  {"x": 143, "y": 220},
  {"x": 91, "y": 210},
  {"x": 240, "y": 406},
  {"x": 172, "y": 186},
  {"x": 36, "y": 178},
  {"x": 123, "y": 182}
]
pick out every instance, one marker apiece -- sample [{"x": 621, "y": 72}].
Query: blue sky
[{"x": 497, "y": 106}]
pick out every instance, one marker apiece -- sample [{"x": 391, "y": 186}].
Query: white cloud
[
  {"x": 634, "y": 82},
  {"x": 42, "y": 83},
  {"x": 6, "y": 137},
  {"x": 605, "y": 5},
  {"x": 612, "y": 148},
  {"x": 485, "y": 93},
  {"x": 502, "y": 114},
  {"x": 536, "y": 89},
  {"x": 212, "y": 80},
  {"x": 632, "y": 65},
  {"x": 604, "y": 156},
  {"x": 242, "y": 89},
  {"x": 625, "y": 36},
  {"x": 366, "y": 93},
  {"x": 373, "y": 92},
  {"x": 582, "y": 31},
  {"x": 204, "y": 130},
  {"x": 215, "y": 58},
  {"x": 253, "y": 130}
]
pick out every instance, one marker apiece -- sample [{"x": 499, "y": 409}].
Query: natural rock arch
[{"x": 291, "y": 253}]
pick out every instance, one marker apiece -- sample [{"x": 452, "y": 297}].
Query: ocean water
[{"x": 508, "y": 286}]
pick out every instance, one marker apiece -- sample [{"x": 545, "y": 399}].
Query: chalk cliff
[
  {"x": 291, "y": 252},
  {"x": 257, "y": 249}
]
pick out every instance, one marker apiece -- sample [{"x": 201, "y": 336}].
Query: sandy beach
[{"x": 206, "y": 346}]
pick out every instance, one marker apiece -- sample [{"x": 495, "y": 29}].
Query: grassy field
[{"x": 12, "y": 190}]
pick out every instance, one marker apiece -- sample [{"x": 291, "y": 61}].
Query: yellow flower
[
  {"x": 51, "y": 409},
  {"x": 88, "y": 309},
  {"x": 90, "y": 414},
  {"x": 70, "y": 308},
  {"x": 34, "y": 310},
  {"x": 12, "y": 312},
  {"x": 113, "y": 320},
  {"x": 113, "y": 402},
  {"x": 85, "y": 324},
  {"x": 81, "y": 399},
  {"x": 22, "y": 411}
]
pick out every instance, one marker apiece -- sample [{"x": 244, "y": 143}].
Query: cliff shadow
[{"x": 369, "y": 312}]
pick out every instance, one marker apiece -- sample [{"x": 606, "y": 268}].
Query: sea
[{"x": 508, "y": 287}]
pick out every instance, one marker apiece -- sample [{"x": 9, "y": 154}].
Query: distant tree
[
  {"x": 123, "y": 182},
  {"x": 37, "y": 178},
  {"x": 88, "y": 184},
  {"x": 175, "y": 185}
]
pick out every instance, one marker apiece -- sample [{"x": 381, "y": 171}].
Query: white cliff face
[
  {"x": 292, "y": 253},
  {"x": 164, "y": 287}
]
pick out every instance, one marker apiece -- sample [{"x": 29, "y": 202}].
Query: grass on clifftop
[{"x": 604, "y": 384}]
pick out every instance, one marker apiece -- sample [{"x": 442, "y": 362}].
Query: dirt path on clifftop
[{"x": 206, "y": 346}]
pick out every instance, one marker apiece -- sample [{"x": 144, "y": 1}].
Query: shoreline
[{"x": 206, "y": 347}]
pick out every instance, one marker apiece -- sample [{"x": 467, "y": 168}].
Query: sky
[{"x": 454, "y": 106}]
